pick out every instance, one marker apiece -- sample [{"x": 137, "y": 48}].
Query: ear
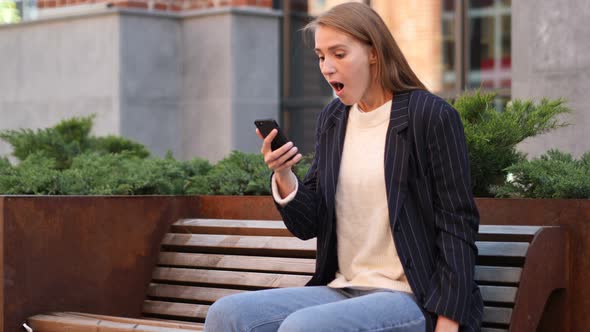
[{"x": 372, "y": 56}]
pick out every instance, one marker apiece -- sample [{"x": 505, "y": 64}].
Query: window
[{"x": 476, "y": 54}]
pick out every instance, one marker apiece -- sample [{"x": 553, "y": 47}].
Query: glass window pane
[
  {"x": 506, "y": 44},
  {"x": 480, "y": 3},
  {"x": 481, "y": 59},
  {"x": 489, "y": 45},
  {"x": 448, "y": 45},
  {"x": 448, "y": 5}
]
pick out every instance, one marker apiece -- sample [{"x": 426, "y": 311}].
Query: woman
[{"x": 388, "y": 196}]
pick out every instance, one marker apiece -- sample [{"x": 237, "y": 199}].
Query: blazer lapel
[
  {"x": 333, "y": 134},
  {"x": 396, "y": 155}
]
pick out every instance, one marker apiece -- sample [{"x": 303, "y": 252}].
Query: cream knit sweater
[{"x": 367, "y": 257}]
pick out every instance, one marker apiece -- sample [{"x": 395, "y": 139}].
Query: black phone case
[{"x": 265, "y": 126}]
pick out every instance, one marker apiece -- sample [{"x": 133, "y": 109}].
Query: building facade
[{"x": 190, "y": 76}]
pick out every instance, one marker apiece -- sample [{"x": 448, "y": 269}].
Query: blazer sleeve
[
  {"x": 301, "y": 214},
  {"x": 456, "y": 217}
]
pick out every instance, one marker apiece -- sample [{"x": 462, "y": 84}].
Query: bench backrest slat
[
  {"x": 238, "y": 262},
  {"x": 502, "y": 249},
  {"x": 185, "y": 293},
  {"x": 253, "y": 280},
  {"x": 490, "y": 329},
  {"x": 497, "y": 315},
  {"x": 499, "y": 294},
  {"x": 497, "y": 274},
  {"x": 171, "y": 310}
]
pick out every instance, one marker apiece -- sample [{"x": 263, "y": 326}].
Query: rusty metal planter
[
  {"x": 96, "y": 254},
  {"x": 90, "y": 254}
]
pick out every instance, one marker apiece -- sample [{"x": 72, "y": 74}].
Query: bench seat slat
[
  {"x": 229, "y": 278},
  {"x": 237, "y": 262},
  {"x": 189, "y": 293},
  {"x": 497, "y": 315},
  {"x": 497, "y": 274},
  {"x": 181, "y": 310},
  {"x": 501, "y": 294},
  {"x": 87, "y": 323},
  {"x": 140, "y": 321}
]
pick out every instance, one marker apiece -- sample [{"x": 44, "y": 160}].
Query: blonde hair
[{"x": 363, "y": 24}]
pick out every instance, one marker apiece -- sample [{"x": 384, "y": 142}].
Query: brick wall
[{"x": 163, "y": 5}]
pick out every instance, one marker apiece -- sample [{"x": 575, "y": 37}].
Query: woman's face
[{"x": 345, "y": 63}]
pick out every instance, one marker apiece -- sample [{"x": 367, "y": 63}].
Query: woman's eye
[
  {"x": 321, "y": 58},
  {"x": 339, "y": 56}
]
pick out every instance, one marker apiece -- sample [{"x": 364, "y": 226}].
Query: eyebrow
[{"x": 331, "y": 47}]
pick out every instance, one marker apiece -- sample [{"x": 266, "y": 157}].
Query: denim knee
[
  {"x": 294, "y": 323},
  {"x": 218, "y": 316},
  {"x": 238, "y": 313}
]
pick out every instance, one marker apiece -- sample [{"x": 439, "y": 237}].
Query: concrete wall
[
  {"x": 192, "y": 83},
  {"x": 256, "y": 49},
  {"x": 150, "y": 81},
  {"x": 55, "y": 69},
  {"x": 551, "y": 58},
  {"x": 231, "y": 77}
]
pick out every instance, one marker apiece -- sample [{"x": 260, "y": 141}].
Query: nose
[{"x": 327, "y": 67}]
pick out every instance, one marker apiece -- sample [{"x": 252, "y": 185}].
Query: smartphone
[{"x": 265, "y": 126}]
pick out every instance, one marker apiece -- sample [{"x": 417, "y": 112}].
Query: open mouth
[{"x": 337, "y": 85}]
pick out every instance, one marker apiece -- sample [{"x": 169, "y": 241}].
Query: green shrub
[
  {"x": 553, "y": 175},
  {"x": 5, "y": 166},
  {"x": 238, "y": 174},
  {"x": 36, "y": 175},
  {"x": 66, "y": 160},
  {"x": 301, "y": 168},
  {"x": 117, "y": 144},
  {"x": 100, "y": 174},
  {"x": 66, "y": 140},
  {"x": 492, "y": 136}
]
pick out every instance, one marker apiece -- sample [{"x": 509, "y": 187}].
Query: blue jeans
[{"x": 318, "y": 308}]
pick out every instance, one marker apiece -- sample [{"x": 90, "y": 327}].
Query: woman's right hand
[{"x": 279, "y": 162}]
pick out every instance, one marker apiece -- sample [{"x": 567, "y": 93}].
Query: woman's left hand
[{"x": 444, "y": 324}]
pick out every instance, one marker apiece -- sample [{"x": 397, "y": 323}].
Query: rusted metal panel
[
  {"x": 90, "y": 254},
  {"x": 238, "y": 207}
]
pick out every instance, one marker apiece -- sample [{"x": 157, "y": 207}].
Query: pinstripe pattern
[{"x": 433, "y": 215}]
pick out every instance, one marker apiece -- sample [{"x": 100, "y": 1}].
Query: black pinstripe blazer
[{"x": 432, "y": 212}]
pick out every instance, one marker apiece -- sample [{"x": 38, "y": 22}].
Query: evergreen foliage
[
  {"x": 553, "y": 175},
  {"x": 492, "y": 136},
  {"x": 67, "y": 160},
  {"x": 66, "y": 140}
]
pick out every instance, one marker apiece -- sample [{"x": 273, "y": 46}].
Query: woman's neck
[{"x": 375, "y": 97}]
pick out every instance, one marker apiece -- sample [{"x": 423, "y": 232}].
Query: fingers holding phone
[{"x": 279, "y": 153}]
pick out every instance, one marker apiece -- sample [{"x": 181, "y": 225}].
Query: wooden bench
[{"x": 201, "y": 260}]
